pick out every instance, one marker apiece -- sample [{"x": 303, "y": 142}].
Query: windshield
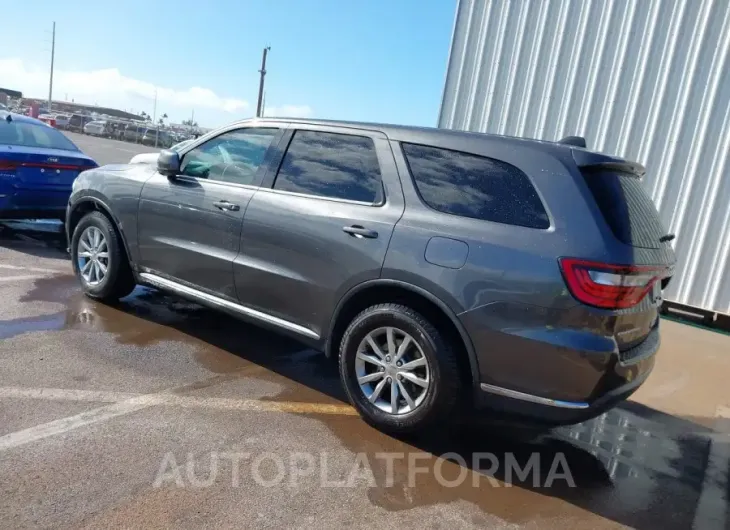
[
  {"x": 181, "y": 145},
  {"x": 33, "y": 135}
]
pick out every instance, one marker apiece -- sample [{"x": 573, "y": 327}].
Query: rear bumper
[
  {"x": 530, "y": 409},
  {"x": 34, "y": 204},
  {"x": 552, "y": 366}
]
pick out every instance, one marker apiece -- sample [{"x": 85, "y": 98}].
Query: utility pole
[
  {"x": 259, "y": 107},
  {"x": 263, "y": 106},
  {"x": 154, "y": 119},
  {"x": 50, "y": 81}
]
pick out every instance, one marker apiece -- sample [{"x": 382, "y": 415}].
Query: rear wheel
[
  {"x": 398, "y": 371},
  {"x": 99, "y": 259}
]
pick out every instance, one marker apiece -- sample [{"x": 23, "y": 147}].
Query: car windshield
[{"x": 30, "y": 134}]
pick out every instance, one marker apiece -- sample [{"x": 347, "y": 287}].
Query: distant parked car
[
  {"x": 97, "y": 128},
  {"x": 157, "y": 138},
  {"x": 446, "y": 271},
  {"x": 38, "y": 165},
  {"x": 62, "y": 120},
  {"x": 77, "y": 122},
  {"x": 151, "y": 158},
  {"x": 133, "y": 133}
]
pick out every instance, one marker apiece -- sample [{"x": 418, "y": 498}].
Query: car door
[
  {"x": 190, "y": 225},
  {"x": 319, "y": 225}
]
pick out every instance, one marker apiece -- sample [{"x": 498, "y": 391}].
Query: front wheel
[
  {"x": 99, "y": 259},
  {"x": 397, "y": 369}
]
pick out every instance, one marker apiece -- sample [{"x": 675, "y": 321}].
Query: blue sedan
[{"x": 38, "y": 165}]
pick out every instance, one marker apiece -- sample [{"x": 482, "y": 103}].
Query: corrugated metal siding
[{"x": 648, "y": 80}]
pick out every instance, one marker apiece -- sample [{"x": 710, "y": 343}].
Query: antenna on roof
[
  {"x": 9, "y": 118},
  {"x": 577, "y": 141}
]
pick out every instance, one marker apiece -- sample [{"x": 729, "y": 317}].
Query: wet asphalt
[{"x": 157, "y": 413}]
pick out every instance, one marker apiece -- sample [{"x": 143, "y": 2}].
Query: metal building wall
[{"x": 645, "y": 79}]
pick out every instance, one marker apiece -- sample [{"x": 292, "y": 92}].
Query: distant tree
[
  {"x": 143, "y": 114},
  {"x": 161, "y": 121},
  {"x": 190, "y": 123},
  {"x": 164, "y": 116}
]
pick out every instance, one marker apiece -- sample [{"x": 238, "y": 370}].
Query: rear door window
[
  {"x": 339, "y": 166},
  {"x": 626, "y": 207},
  {"x": 474, "y": 186}
]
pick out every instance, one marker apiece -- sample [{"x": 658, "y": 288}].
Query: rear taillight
[
  {"x": 609, "y": 286},
  {"x": 7, "y": 168},
  {"x": 12, "y": 165}
]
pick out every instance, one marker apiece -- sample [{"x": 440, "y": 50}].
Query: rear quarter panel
[{"x": 510, "y": 294}]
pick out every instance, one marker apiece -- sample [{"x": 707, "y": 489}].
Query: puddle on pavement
[{"x": 633, "y": 465}]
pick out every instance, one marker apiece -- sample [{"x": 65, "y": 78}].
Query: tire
[
  {"x": 439, "y": 399},
  {"x": 118, "y": 280}
]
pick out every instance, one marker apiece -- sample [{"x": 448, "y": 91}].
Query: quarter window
[
  {"x": 339, "y": 166},
  {"x": 474, "y": 186},
  {"x": 234, "y": 156}
]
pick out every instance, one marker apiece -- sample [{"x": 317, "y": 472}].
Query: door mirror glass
[{"x": 168, "y": 163}]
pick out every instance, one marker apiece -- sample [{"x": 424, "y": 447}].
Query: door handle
[
  {"x": 360, "y": 231},
  {"x": 228, "y": 206}
]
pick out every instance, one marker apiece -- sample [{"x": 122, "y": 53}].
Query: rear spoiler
[
  {"x": 577, "y": 141},
  {"x": 586, "y": 160}
]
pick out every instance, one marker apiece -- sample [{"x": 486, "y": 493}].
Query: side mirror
[{"x": 168, "y": 163}]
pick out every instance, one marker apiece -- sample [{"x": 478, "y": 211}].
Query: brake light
[
  {"x": 12, "y": 165},
  {"x": 609, "y": 286}
]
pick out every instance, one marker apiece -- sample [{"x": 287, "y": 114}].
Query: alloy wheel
[
  {"x": 93, "y": 256},
  {"x": 392, "y": 370}
]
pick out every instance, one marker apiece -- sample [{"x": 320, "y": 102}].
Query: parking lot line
[
  {"x": 126, "y": 403},
  {"x": 32, "y": 269},
  {"x": 70, "y": 423},
  {"x": 64, "y": 394},
  {"x": 20, "y": 278}
]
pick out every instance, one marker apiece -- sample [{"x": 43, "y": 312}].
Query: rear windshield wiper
[{"x": 666, "y": 238}]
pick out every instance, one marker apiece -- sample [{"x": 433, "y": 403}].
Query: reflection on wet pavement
[{"x": 633, "y": 465}]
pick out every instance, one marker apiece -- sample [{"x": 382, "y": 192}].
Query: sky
[{"x": 365, "y": 60}]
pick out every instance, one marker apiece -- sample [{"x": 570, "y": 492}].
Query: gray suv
[{"x": 445, "y": 271}]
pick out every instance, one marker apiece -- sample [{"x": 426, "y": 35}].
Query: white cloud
[
  {"x": 110, "y": 88},
  {"x": 288, "y": 111}
]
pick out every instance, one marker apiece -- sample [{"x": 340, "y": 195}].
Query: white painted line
[
  {"x": 20, "y": 278},
  {"x": 254, "y": 405},
  {"x": 62, "y": 394},
  {"x": 32, "y": 269},
  {"x": 175, "y": 400},
  {"x": 125, "y": 403},
  {"x": 712, "y": 505},
  {"x": 39, "y": 432}
]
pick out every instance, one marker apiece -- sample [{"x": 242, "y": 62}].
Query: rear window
[
  {"x": 33, "y": 135},
  {"x": 474, "y": 186},
  {"x": 627, "y": 208}
]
